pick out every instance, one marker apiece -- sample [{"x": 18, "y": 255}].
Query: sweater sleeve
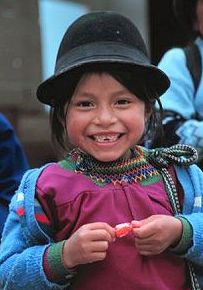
[
  {"x": 54, "y": 266},
  {"x": 52, "y": 259},
  {"x": 192, "y": 184},
  {"x": 22, "y": 251}
]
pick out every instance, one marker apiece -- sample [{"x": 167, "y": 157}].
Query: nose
[{"x": 106, "y": 116}]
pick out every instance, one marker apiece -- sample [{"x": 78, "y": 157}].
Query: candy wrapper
[{"x": 123, "y": 229}]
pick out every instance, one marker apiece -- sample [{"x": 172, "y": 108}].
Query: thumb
[{"x": 136, "y": 224}]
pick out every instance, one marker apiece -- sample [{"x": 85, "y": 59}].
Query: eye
[
  {"x": 84, "y": 104},
  {"x": 123, "y": 101}
]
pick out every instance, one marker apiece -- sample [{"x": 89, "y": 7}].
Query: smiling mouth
[{"x": 106, "y": 138}]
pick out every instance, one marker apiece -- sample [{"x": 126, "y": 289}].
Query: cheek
[
  {"x": 142, "y": 120},
  {"x": 136, "y": 121},
  {"x": 75, "y": 127},
  {"x": 71, "y": 127}
]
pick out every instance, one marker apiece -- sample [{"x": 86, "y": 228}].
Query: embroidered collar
[
  {"x": 134, "y": 169},
  {"x": 144, "y": 166}
]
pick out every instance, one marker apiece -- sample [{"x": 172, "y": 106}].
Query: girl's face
[
  {"x": 103, "y": 118},
  {"x": 199, "y": 13}
]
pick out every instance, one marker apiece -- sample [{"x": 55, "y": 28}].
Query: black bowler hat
[{"x": 102, "y": 37}]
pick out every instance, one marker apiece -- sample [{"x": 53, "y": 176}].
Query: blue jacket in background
[
  {"x": 182, "y": 104},
  {"x": 13, "y": 164}
]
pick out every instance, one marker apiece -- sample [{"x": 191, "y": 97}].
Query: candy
[{"x": 123, "y": 229}]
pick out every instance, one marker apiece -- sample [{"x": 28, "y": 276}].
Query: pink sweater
[{"x": 71, "y": 199}]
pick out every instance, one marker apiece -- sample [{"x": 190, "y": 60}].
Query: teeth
[{"x": 106, "y": 138}]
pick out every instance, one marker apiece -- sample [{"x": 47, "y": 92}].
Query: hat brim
[{"x": 109, "y": 53}]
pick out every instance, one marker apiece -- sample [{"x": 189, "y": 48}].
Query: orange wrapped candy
[{"x": 123, "y": 229}]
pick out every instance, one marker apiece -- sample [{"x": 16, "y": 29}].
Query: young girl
[{"x": 111, "y": 214}]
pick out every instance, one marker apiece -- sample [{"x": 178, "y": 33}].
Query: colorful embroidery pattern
[{"x": 135, "y": 169}]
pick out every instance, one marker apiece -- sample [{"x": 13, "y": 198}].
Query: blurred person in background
[
  {"x": 182, "y": 102},
  {"x": 12, "y": 166}
]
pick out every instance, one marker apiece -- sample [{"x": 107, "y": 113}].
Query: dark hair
[{"x": 136, "y": 84}]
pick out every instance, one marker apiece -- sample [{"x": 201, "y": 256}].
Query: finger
[
  {"x": 101, "y": 235},
  {"x": 145, "y": 231},
  {"x": 152, "y": 248},
  {"x": 99, "y": 246},
  {"x": 135, "y": 224},
  {"x": 99, "y": 225},
  {"x": 148, "y": 249},
  {"x": 102, "y": 226},
  {"x": 97, "y": 256},
  {"x": 147, "y": 253},
  {"x": 144, "y": 242}
]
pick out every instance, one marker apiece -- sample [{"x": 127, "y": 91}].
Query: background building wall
[
  {"x": 20, "y": 52},
  {"x": 20, "y": 62}
]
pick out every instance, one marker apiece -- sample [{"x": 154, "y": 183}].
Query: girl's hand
[
  {"x": 155, "y": 234},
  {"x": 88, "y": 244}
]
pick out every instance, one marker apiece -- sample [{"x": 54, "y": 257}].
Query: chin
[
  {"x": 102, "y": 159},
  {"x": 110, "y": 156},
  {"x": 107, "y": 158}
]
